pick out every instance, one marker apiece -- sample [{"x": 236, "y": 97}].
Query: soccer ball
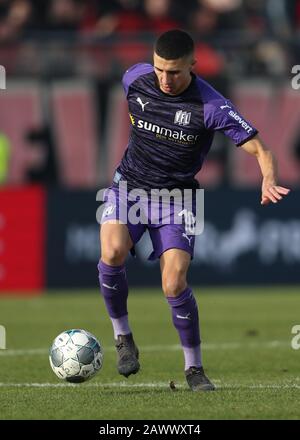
[{"x": 75, "y": 355}]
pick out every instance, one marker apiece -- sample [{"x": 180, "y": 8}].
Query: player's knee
[
  {"x": 113, "y": 255},
  {"x": 173, "y": 284}
]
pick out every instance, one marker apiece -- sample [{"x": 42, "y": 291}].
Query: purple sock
[
  {"x": 114, "y": 287},
  {"x": 186, "y": 321}
]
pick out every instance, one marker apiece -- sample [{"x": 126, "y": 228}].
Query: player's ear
[{"x": 193, "y": 62}]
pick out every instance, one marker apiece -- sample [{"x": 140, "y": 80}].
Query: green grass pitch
[{"x": 247, "y": 353}]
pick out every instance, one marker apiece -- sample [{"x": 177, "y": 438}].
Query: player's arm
[{"x": 270, "y": 192}]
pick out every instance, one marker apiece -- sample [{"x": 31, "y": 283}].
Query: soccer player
[{"x": 174, "y": 115}]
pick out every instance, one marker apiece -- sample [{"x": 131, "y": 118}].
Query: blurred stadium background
[{"x": 64, "y": 127}]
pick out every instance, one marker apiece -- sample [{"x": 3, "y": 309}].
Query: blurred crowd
[
  {"x": 105, "y": 18},
  {"x": 257, "y": 36}
]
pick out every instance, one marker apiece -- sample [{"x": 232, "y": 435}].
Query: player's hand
[{"x": 272, "y": 193}]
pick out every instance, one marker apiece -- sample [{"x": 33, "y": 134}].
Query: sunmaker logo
[
  {"x": 166, "y": 133},
  {"x": 241, "y": 121}
]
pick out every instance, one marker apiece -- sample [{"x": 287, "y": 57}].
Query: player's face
[{"x": 173, "y": 76}]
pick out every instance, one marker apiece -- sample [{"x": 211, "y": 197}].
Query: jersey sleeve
[
  {"x": 221, "y": 115},
  {"x": 135, "y": 72}
]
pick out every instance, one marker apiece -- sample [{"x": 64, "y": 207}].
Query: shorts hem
[{"x": 154, "y": 255}]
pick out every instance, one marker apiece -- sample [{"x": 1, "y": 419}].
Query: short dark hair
[{"x": 174, "y": 44}]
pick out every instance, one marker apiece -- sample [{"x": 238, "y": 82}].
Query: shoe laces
[
  {"x": 196, "y": 371},
  {"x": 124, "y": 346}
]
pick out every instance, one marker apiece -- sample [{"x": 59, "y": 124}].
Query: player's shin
[
  {"x": 114, "y": 288},
  {"x": 186, "y": 321}
]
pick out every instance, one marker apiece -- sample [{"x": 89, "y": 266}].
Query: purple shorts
[{"x": 167, "y": 224}]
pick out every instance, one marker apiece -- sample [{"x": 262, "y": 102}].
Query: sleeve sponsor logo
[{"x": 241, "y": 121}]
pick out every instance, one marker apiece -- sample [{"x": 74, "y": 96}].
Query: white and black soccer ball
[{"x": 76, "y": 355}]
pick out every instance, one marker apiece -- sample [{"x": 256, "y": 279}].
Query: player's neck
[{"x": 185, "y": 86}]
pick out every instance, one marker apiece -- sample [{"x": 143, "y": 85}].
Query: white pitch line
[
  {"x": 86, "y": 385},
  {"x": 145, "y": 385},
  {"x": 258, "y": 386},
  {"x": 24, "y": 352},
  {"x": 163, "y": 348}
]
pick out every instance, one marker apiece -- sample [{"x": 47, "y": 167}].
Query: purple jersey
[{"x": 171, "y": 135}]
